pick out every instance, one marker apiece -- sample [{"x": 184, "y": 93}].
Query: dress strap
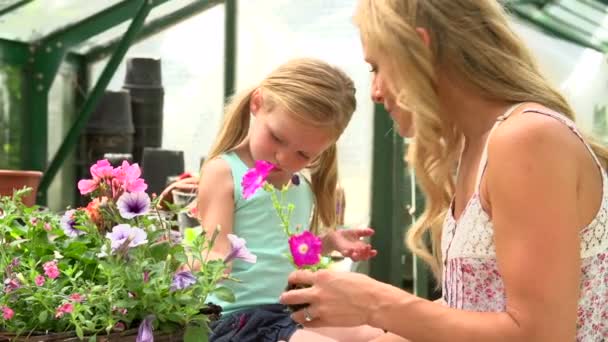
[
  {"x": 566, "y": 121},
  {"x": 483, "y": 162}
]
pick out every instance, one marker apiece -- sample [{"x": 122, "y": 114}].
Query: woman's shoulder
[{"x": 534, "y": 131}]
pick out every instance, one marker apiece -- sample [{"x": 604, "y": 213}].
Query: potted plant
[{"x": 114, "y": 270}]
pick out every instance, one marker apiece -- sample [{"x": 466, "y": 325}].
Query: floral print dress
[{"x": 472, "y": 280}]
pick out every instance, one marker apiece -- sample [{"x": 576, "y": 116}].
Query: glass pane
[
  {"x": 62, "y": 113},
  {"x": 10, "y": 117},
  {"x": 192, "y": 55},
  {"x": 271, "y": 32},
  {"x": 25, "y": 23},
  {"x": 116, "y": 32}
]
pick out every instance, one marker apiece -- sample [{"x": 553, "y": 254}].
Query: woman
[{"x": 516, "y": 198}]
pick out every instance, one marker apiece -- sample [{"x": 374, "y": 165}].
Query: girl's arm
[{"x": 216, "y": 204}]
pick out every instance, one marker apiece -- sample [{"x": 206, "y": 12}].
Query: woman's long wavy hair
[
  {"x": 472, "y": 39},
  {"x": 314, "y": 93}
]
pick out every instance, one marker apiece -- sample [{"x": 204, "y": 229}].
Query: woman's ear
[
  {"x": 256, "y": 101},
  {"x": 424, "y": 35}
]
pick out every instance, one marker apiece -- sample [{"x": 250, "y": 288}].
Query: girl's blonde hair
[
  {"x": 314, "y": 93},
  {"x": 472, "y": 39}
]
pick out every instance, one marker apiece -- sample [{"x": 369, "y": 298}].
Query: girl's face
[
  {"x": 381, "y": 93},
  {"x": 275, "y": 136}
]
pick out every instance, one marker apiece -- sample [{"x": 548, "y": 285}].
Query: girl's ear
[{"x": 256, "y": 101}]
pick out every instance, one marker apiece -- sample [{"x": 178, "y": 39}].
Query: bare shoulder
[
  {"x": 216, "y": 178},
  {"x": 537, "y": 138}
]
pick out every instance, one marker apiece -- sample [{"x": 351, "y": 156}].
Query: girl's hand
[
  {"x": 348, "y": 242},
  {"x": 187, "y": 184}
]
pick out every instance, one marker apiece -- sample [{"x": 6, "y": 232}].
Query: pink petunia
[
  {"x": 305, "y": 248},
  {"x": 76, "y": 297},
  {"x": 7, "y": 313},
  {"x": 39, "y": 280},
  {"x": 63, "y": 309},
  {"x": 255, "y": 177},
  {"x": 128, "y": 177},
  {"x": 50, "y": 269},
  {"x": 100, "y": 171}
]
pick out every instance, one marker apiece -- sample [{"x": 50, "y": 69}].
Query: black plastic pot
[
  {"x": 158, "y": 165},
  {"x": 143, "y": 81}
]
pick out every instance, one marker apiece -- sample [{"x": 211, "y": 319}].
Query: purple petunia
[
  {"x": 238, "y": 250},
  {"x": 145, "y": 332},
  {"x": 182, "y": 280},
  {"x": 131, "y": 204},
  {"x": 255, "y": 177},
  {"x": 124, "y": 233},
  {"x": 68, "y": 224},
  {"x": 305, "y": 248}
]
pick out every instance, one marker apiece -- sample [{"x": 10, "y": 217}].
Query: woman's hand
[
  {"x": 348, "y": 242},
  {"x": 335, "y": 298}
]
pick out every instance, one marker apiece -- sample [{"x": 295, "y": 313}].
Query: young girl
[
  {"x": 520, "y": 227},
  {"x": 292, "y": 120}
]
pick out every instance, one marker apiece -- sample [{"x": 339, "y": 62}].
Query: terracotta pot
[{"x": 11, "y": 180}]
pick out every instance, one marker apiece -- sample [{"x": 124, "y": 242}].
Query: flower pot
[
  {"x": 11, "y": 180},
  {"x": 143, "y": 81},
  {"x": 296, "y": 307},
  {"x": 70, "y": 336},
  {"x": 184, "y": 199},
  {"x": 158, "y": 165}
]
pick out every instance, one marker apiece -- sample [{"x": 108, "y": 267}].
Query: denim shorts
[{"x": 265, "y": 323}]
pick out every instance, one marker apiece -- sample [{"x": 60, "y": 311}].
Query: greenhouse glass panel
[
  {"x": 62, "y": 113},
  {"x": 160, "y": 11},
  {"x": 192, "y": 56},
  {"x": 11, "y": 124},
  {"x": 271, "y": 32},
  {"x": 24, "y": 23}
]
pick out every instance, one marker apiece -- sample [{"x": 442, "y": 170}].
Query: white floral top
[{"x": 472, "y": 281}]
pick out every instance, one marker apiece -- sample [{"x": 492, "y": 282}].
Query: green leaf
[
  {"x": 196, "y": 334},
  {"x": 224, "y": 294},
  {"x": 190, "y": 234},
  {"x": 159, "y": 251},
  {"x": 79, "y": 332},
  {"x": 93, "y": 338},
  {"x": 42, "y": 316}
]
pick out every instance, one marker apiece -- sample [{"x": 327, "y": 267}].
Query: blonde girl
[
  {"x": 516, "y": 198},
  {"x": 292, "y": 119}
]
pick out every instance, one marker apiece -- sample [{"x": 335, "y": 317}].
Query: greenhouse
[{"x": 149, "y": 82}]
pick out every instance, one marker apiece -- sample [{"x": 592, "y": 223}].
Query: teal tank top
[{"x": 256, "y": 221}]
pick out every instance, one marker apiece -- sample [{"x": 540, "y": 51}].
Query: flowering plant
[
  {"x": 113, "y": 266},
  {"x": 305, "y": 246}
]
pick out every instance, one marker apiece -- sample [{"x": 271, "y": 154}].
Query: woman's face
[{"x": 381, "y": 93}]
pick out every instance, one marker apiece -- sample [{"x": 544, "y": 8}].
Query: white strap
[{"x": 484, "y": 155}]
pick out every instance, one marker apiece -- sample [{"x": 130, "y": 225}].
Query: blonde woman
[{"x": 516, "y": 198}]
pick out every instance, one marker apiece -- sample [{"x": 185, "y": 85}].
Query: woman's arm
[{"x": 531, "y": 182}]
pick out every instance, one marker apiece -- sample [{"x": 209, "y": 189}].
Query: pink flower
[
  {"x": 39, "y": 280},
  {"x": 100, "y": 171},
  {"x": 254, "y": 178},
  {"x": 63, "y": 309},
  {"x": 128, "y": 177},
  {"x": 7, "y": 313},
  {"x": 48, "y": 227},
  {"x": 305, "y": 248},
  {"x": 77, "y": 297},
  {"x": 50, "y": 269}
]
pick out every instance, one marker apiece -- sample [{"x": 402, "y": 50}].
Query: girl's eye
[
  {"x": 303, "y": 156},
  {"x": 274, "y": 137},
  {"x": 373, "y": 68}
]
